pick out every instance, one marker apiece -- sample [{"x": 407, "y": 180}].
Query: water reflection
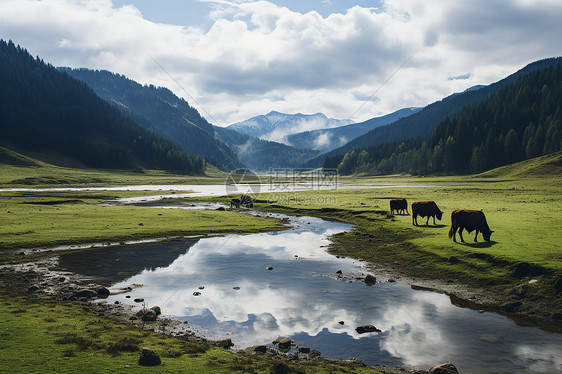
[{"x": 301, "y": 297}]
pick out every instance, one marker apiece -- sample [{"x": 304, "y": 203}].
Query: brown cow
[
  {"x": 469, "y": 220},
  {"x": 399, "y": 205},
  {"x": 425, "y": 209}
]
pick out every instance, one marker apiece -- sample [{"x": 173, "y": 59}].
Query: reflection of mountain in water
[{"x": 115, "y": 264}]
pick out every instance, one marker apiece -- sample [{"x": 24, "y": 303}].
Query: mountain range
[
  {"x": 327, "y": 139},
  {"x": 276, "y": 126},
  {"x": 81, "y": 117}
]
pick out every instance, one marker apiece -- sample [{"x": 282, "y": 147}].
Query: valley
[{"x": 482, "y": 278}]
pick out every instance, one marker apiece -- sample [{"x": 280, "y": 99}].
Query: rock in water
[
  {"x": 447, "y": 368},
  {"x": 366, "y": 328},
  {"x": 149, "y": 358},
  {"x": 370, "y": 280}
]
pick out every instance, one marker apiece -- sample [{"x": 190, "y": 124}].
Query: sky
[{"x": 235, "y": 59}]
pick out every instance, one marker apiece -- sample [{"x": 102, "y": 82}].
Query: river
[{"x": 255, "y": 288}]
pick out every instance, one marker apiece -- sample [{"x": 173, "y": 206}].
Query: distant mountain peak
[{"x": 277, "y": 126}]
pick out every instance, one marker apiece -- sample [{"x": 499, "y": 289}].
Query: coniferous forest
[
  {"x": 521, "y": 121},
  {"x": 47, "y": 112}
]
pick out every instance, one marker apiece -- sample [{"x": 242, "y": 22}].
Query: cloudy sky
[{"x": 234, "y": 59}]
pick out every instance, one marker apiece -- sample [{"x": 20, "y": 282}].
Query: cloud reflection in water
[{"x": 302, "y": 298}]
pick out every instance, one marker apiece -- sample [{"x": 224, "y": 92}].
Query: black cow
[
  {"x": 425, "y": 209},
  {"x": 398, "y": 205},
  {"x": 244, "y": 200},
  {"x": 462, "y": 219}
]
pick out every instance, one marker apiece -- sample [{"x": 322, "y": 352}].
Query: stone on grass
[
  {"x": 260, "y": 348},
  {"x": 149, "y": 358}
]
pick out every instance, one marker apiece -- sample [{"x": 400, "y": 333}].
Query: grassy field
[
  {"x": 40, "y": 219},
  {"x": 68, "y": 338}
]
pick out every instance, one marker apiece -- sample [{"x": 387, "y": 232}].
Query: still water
[{"x": 304, "y": 298}]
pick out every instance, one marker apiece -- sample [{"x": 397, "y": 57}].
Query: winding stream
[{"x": 304, "y": 298}]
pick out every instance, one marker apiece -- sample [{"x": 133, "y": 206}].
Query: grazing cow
[
  {"x": 247, "y": 201},
  {"x": 399, "y": 205},
  {"x": 235, "y": 202},
  {"x": 244, "y": 200},
  {"x": 469, "y": 220},
  {"x": 425, "y": 209}
]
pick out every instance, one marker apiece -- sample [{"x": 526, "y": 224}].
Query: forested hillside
[
  {"x": 521, "y": 121},
  {"x": 424, "y": 122},
  {"x": 259, "y": 154},
  {"x": 47, "y": 112},
  {"x": 159, "y": 110}
]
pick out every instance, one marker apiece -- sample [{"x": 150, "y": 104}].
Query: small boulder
[
  {"x": 87, "y": 294},
  {"x": 32, "y": 288},
  {"x": 269, "y": 268},
  {"x": 370, "y": 280},
  {"x": 226, "y": 343},
  {"x": 103, "y": 292},
  {"x": 197, "y": 293},
  {"x": 156, "y": 310},
  {"x": 260, "y": 348},
  {"x": 447, "y": 368},
  {"x": 283, "y": 343},
  {"x": 221, "y": 208},
  {"x": 149, "y": 358},
  {"x": 149, "y": 316},
  {"x": 304, "y": 349},
  {"x": 139, "y": 300},
  {"x": 366, "y": 328}
]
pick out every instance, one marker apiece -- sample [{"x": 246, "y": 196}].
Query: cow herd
[{"x": 461, "y": 219}]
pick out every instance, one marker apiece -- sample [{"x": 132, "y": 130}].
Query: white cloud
[{"x": 259, "y": 57}]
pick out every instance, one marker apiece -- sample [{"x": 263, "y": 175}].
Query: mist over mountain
[
  {"x": 158, "y": 109},
  {"x": 277, "y": 126},
  {"x": 327, "y": 139},
  {"x": 261, "y": 155}
]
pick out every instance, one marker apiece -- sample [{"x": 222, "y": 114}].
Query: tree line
[{"x": 521, "y": 121}]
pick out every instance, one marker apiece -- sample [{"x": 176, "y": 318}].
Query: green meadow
[
  {"x": 43, "y": 336},
  {"x": 43, "y": 219},
  {"x": 522, "y": 204}
]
